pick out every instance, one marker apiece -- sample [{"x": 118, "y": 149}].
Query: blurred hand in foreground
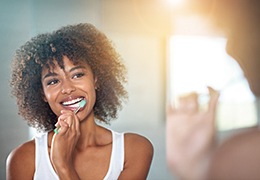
[{"x": 190, "y": 135}]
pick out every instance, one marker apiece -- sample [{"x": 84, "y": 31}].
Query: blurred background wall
[{"x": 140, "y": 30}]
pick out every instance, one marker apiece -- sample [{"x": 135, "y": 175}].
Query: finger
[
  {"x": 71, "y": 119},
  {"x": 63, "y": 127},
  {"x": 76, "y": 123},
  {"x": 66, "y": 116},
  {"x": 169, "y": 109},
  {"x": 214, "y": 96},
  {"x": 62, "y": 118},
  {"x": 189, "y": 103}
]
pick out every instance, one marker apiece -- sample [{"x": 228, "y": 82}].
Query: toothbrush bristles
[{"x": 81, "y": 105}]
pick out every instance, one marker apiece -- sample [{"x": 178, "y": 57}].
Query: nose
[{"x": 67, "y": 87}]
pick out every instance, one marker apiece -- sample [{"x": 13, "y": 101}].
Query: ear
[
  {"x": 43, "y": 97},
  {"x": 96, "y": 83}
]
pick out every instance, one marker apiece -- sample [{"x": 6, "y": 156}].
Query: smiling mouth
[{"x": 74, "y": 103}]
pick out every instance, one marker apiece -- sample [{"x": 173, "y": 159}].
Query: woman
[{"x": 52, "y": 74}]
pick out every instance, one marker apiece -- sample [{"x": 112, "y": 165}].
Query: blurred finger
[
  {"x": 188, "y": 103},
  {"x": 169, "y": 109},
  {"x": 214, "y": 96}
]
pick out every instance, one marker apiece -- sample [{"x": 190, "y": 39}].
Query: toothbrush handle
[{"x": 77, "y": 110}]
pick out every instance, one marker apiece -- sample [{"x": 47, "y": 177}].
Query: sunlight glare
[
  {"x": 196, "y": 62},
  {"x": 175, "y": 2},
  {"x": 201, "y": 61}
]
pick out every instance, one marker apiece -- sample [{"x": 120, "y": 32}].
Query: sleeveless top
[{"x": 44, "y": 169}]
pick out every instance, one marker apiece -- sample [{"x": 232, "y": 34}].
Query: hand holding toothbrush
[
  {"x": 81, "y": 105},
  {"x": 65, "y": 140}
]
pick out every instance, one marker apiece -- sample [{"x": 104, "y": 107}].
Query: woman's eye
[
  {"x": 52, "y": 82},
  {"x": 78, "y": 75}
]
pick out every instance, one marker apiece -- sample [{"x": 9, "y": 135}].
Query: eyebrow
[
  {"x": 49, "y": 74},
  {"x": 77, "y": 67}
]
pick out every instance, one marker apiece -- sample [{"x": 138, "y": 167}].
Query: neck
[{"x": 88, "y": 133}]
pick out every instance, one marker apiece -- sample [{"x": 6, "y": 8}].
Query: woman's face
[{"x": 65, "y": 88}]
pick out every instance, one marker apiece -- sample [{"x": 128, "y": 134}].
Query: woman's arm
[
  {"x": 237, "y": 157},
  {"x": 138, "y": 157}
]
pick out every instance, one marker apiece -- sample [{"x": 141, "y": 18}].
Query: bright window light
[
  {"x": 196, "y": 62},
  {"x": 175, "y": 2}
]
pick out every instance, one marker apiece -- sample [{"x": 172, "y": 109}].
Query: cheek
[
  {"x": 46, "y": 98},
  {"x": 47, "y": 94},
  {"x": 91, "y": 91}
]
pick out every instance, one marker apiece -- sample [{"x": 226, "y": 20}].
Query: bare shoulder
[
  {"x": 138, "y": 143},
  {"x": 138, "y": 157},
  {"x": 20, "y": 162},
  {"x": 238, "y": 157}
]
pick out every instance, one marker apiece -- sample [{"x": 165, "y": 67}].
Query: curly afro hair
[{"x": 80, "y": 43}]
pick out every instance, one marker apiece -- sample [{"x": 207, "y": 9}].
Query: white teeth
[{"x": 67, "y": 103}]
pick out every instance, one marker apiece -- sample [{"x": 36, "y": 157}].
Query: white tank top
[{"x": 45, "y": 171}]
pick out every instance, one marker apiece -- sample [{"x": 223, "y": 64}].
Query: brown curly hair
[{"x": 80, "y": 43}]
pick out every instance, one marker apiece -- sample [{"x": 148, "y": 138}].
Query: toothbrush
[{"x": 81, "y": 105}]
